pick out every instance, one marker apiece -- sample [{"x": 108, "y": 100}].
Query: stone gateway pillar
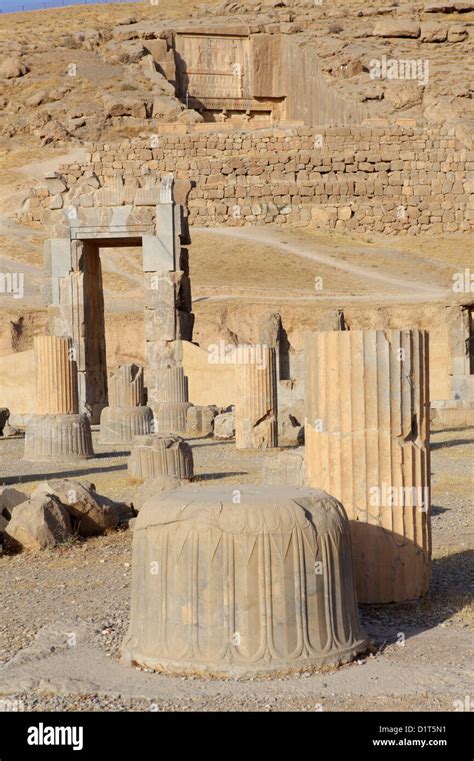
[
  {"x": 367, "y": 444},
  {"x": 256, "y": 419},
  {"x": 58, "y": 430}
]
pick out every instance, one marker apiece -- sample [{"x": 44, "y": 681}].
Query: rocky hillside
[{"x": 76, "y": 74}]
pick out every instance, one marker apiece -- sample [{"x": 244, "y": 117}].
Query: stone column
[
  {"x": 57, "y": 430},
  {"x": 171, "y": 413},
  {"x": 367, "y": 443},
  {"x": 127, "y": 416},
  {"x": 56, "y": 389},
  {"x": 256, "y": 420},
  {"x": 78, "y": 311}
]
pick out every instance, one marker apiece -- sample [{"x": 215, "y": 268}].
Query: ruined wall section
[{"x": 390, "y": 180}]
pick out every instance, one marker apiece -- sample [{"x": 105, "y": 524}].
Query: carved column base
[
  {"x": 171, "y": 417},
  {"x": 119, "y": 425},
  {"x": 57, "y": 437},
  {"x": 259, "y": 585}
]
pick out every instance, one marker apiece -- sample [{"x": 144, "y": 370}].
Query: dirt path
[{"x": 316, "y": 252}]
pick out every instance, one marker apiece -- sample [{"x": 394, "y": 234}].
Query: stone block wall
[{"x": 397, "y": 180}]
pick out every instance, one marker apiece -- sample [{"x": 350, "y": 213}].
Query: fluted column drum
[
  {"x": 367, "y": 443},
  {"x": 126, "y": 416},
  {"x": 175, "y": 385},
  {"x": 242, "y": 581},
  {"x": 256, "y": 419},
  {"x": 55, "y": 375},
  {"x": 172, "y": 413},
  {"x": 126, "y": 387},
  {"x": 57, "y": 431}
]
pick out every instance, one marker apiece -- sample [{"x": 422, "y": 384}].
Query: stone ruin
[
  {"x": 367, "y": 424},
  {"x": 58, "y": 430},
  {"x": 256, "y": 579},
  {"x": 126, "y": 416},
  {"x": 259, "y": 587}
]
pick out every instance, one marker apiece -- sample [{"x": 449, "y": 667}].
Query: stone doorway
[{"x": 75, "y": 286}]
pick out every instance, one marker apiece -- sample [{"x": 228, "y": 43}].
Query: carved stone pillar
[
  {"x": 57, "y": 431},
  {"x": 367, "y": 443}
]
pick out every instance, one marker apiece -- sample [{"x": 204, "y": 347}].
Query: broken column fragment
[
  {"x": 367, "y": 443},
  {"x": 256, "y": 408},
  {"x": 159, "y": 455},
  {"x": 172, "y": 412},
  {"x": 57, "y": 431},
  {"x": 127, "y": 416}
]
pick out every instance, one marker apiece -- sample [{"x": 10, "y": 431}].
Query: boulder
[
  {"x": 398, "y": 28},
  {"x": 39, "y": 523},
  {"x": 120, "y": 105},
  {"x": 9, "y": 499},
  {"x": 190, "y": 117},
  {"x": 9, "y": 431},
  {"x": 83, "y": 505},
  {"x": 164, "y": 106},
  {"x": 290, "y": 430},
  {"x": 133, "y": 50},
  {"x": 36, "y": 99},
  {"x": 404, "y": 96},
  {"x": 13, "y": 67},
  {"x": 224, "y": 425}
]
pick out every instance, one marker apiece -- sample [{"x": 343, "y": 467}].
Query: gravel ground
[{"x": 81, "y": 590}]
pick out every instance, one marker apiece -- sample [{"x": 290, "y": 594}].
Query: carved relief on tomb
[{"x": 212, "y": 66}]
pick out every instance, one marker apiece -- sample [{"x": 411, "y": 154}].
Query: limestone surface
[
  {"x": 245, "y": 581},
  {"x": 285, "y": 468},
  {"x": 151, "y": 489},
  {"x": 200, "y": 420},
  {"x": 224, "y": 425},
  {"x": 367, "y": 443}
]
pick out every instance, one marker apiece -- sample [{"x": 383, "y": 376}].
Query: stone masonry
[{"x": 398, "y": 179}]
